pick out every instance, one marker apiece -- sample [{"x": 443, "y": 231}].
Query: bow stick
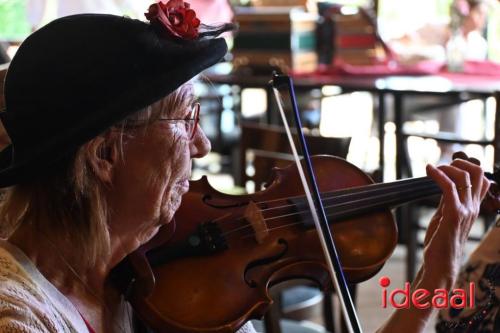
[{"x": 318, "y": 213}]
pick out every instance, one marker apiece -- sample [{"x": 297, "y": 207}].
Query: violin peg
[
  {"x": 460, "y": 155},
  {"x": 463, "y": 156},
  {"x": 475, "y": 161}
]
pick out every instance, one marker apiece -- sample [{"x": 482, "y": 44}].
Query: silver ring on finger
[{"x": 463, "y": 188}]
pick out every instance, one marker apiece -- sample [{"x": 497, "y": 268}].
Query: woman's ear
[{"x": 102, "y": 154}]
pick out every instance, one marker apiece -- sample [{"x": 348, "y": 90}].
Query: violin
[{"x": 210, "y": 269}]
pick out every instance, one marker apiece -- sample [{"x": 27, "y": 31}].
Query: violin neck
[
  {"x": 348, "y": 203},
  {"x": 360, "y": 200}
]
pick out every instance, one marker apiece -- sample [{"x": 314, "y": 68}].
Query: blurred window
[
  {"x": 14, "y": 24},
  {"x": 399, "y": 17},
  {"x": 494, "y": 34}
]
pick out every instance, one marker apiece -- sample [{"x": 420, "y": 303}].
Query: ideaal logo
[{"x": 423, "y": 298}]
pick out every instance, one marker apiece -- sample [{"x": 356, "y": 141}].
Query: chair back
[{"x": 267, "y": 146}]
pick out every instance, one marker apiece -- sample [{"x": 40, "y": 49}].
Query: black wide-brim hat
[{"x": 77, "y": 76}]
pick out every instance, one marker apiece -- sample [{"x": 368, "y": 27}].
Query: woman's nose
[{"x": 200, "y": 145}]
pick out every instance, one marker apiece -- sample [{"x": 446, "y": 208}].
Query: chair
[{"x": 269, "y": 147}]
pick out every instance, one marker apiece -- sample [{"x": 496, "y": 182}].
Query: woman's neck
[
  {"x": 58, "y": 260},
  {"x": 86, "y": 287}
]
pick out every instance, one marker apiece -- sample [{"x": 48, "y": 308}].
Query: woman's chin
[{"x": 147, "y": 236}]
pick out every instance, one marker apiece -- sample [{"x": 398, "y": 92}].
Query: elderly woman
[{"x": 103, "y": 123}]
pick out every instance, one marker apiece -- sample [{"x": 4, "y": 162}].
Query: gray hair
[{"x": 69, "y": 202}]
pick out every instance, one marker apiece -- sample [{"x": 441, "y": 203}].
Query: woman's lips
[{"x": 184, "y": 184}]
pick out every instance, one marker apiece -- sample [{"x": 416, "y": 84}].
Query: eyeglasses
[{"x": 191, "y": 121}]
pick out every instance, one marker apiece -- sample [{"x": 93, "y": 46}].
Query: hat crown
[
  {"x": 78, "y": 63},
  {"x": 79, "y": 75}
]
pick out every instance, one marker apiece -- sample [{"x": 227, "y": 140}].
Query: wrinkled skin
[
  {"x": 463, "y": 186},
  {"x": 148, "y": 183}
]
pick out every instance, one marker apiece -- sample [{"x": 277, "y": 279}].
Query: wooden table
[{"x": 461, "y": 87}]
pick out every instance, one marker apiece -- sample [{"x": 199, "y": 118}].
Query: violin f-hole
[{"x": 265, "y": 261}]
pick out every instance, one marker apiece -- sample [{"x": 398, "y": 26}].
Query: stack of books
[
  {"x": 275, "y": 38},
  {"x": 348, "y": 35}
]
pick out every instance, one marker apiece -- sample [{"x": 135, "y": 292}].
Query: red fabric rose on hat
[{"x": 176, "y": 16}]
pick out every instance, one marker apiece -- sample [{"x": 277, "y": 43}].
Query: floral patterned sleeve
[{"x": 482, "y": 269}]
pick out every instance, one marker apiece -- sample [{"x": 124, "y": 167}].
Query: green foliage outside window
[
  {"x": 13, "y": 21},
  {"x": 406, "y": 12}
]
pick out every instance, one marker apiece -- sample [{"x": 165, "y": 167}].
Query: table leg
[
  {"x": 404, "y": 218},
  {"x": 272, "y": 114},
  {"x": 496, "y": 139},
  {"x": 398, "y": 122},
  {"x": 381, "y": 132}
]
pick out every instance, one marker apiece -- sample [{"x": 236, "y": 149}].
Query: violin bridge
[{"x": 253, "y": 214}]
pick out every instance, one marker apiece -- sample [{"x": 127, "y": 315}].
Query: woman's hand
[{"x": 464, "y": 186}]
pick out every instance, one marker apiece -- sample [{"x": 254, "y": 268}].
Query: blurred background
[{"x": 390, "y": 85}]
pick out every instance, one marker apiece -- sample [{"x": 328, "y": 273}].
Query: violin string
[
  {"x": 336, "y": 195},
  {"x": 354, "y": 190},
  {"x": 291, "y": 225},
  {"x": 273, "y": 229},
  {"x": 308, "y": 220},
  {"x": 340, "y": 204},
  {"x": 220, "y": 218},
  {"x": 346, "y": 194},
  {"x": 232, "y": 231},
  {"x": 335, "y": 207},
  {"x": 329, "y": 207}
]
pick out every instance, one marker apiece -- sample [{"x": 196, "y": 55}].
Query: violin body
[{"x": 227, "y": 251}]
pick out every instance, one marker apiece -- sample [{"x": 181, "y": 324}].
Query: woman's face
[
  {"x": 476, "y": 20},
  {"x": 149, "y": 183}
]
